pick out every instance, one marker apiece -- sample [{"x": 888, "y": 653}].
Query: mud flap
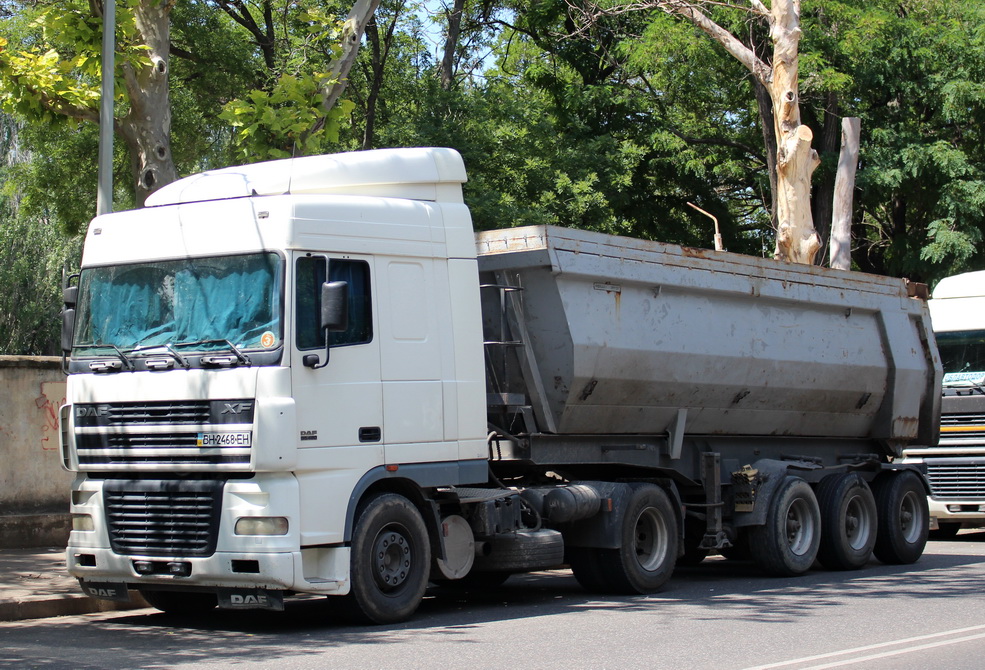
[
  {"x": 115, "y": 591},
  {"x": 251, "y": 599}
]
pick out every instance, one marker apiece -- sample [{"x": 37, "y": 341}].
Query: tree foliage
[{"x": 615, "y": 129}]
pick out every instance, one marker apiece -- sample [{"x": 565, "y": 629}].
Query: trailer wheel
[
  {"x": 390, "y": 559},
  {"x": 848, "y": 522},
  {"x": 901, "y": 504},
  {"x": 648, "y": 553},
  {"x": 181, "y": 603},
  {"x": 786, "y": 545}
]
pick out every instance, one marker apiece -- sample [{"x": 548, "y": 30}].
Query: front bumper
[{"x": 969, "y": 512}]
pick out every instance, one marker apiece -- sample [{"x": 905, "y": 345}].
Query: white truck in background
[
  {"x": 956, "y": 466},
  {"x": 311, "y": 376}
]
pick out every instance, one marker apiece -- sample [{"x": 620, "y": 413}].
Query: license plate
[{"x": 243, "y": 439}]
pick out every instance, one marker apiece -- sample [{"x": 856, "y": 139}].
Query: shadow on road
[{"x": 715, "y": 590}]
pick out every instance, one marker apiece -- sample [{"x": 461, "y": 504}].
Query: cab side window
[{"x": 309, "y": 276}]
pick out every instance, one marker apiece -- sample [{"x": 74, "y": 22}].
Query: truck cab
[
  {"x": 220, "y": 434},
  {"x": 956, "y": 465}
]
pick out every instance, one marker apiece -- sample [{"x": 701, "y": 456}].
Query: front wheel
[
  {"x": 390, "y": 560},
  {"x": 786, "y": 545},
  {"x": 646, "y": 559},
  {"x": 904, "y": 520}
]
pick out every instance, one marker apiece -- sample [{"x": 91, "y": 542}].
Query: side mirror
[
  {"x": 335, "y": 306},
  {"x": 70, "y": 296},
  {"x": 334, "y": 318}
]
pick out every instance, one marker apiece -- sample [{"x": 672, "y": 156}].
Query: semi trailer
[{"x": 312, "y": 376}]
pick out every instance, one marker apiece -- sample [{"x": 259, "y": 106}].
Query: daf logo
[
  {"x": 236, "y": 407},
  {"x": 91, "y": 410},
  {"x": 238, "y": 600}
]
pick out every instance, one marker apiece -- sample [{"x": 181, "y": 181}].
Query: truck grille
[
  {"x": 962, "y": 426},
  {"x": 192, "y": 435},
  {"x": 108, "y": 414},
  {"x": 954, "y": 479},
  {"x": 163, "y": 517}
]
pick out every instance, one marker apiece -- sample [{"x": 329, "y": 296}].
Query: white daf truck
[
  {"x": 956, "y": 466},
  {"x": 311, "y": 377}
]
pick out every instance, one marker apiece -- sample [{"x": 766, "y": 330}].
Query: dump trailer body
[{"x": 610, "y": 335}]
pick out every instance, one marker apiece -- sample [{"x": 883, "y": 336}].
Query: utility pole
[{"x": 104, "y": 195}]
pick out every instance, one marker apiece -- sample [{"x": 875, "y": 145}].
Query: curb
[{"x": 43, "y": 608}]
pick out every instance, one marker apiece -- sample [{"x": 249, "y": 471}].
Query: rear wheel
[
  {"x": 901, "y": 504},
  {"x": 646, "y": 559},
  {"x": 848, "y": 522},
  {"x": 390, "y": 560},
  {"x": 181, "y": 603},
  {"x": 786, "y": 545}
]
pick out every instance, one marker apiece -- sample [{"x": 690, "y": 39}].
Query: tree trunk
[
  {"x": 451, "y": 44},
  {"x": 146, "y": 128},
  {"x": 765, "y": 105},
  {"x": 841, "y": 219},
  {"x": 796, "y": 239},
  {"x": 352, "y": 35},
  {"x": 822, "y": 200}
]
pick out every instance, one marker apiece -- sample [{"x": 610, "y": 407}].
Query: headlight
[{"x": 261, "y": 525}]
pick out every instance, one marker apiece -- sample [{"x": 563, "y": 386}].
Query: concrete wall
[{"x": 34, "y": 489}]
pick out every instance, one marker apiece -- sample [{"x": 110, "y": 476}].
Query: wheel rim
[
  {"x": 393, "y": 557},
  {"x": 651, "y": 539},
  {"x": 911, "y": 519},
  {"x": 858, "y": 523},
  {"x": 799, "y": 527}
]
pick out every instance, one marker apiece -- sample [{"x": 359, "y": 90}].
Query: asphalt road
[{"x": 719, "y": 615}]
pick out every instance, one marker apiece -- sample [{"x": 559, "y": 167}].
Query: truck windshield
[
  {"x": 201, "y": 303},
  {"x": 962, "y": 355}
]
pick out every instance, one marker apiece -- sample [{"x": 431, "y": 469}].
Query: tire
[
  {"x": 181, "y": 603},
  {"x": 390, "y": 560},
  {"x": 946, "y": 530},
  {"x": 646, "y": 559},
  {"x": 786, "y": 545},
  {"x": 587, "y": 568},
  {"x": 904, "y": 520},
  {"x": 522, "y": 551},
  {"x": 848, "y": 522}
]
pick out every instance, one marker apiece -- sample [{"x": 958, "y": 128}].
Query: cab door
[{"x": 339, "y": 404}]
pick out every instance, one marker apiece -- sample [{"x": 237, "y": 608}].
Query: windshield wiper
[
  {"x": 106, "y": 366},
  {"x": 974, "y": 385},
  {"x": 182, "y": 361},
  {"x": 226, "y": 361}
]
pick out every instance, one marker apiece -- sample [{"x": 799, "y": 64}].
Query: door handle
[{"x": 370, "y": 434}]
